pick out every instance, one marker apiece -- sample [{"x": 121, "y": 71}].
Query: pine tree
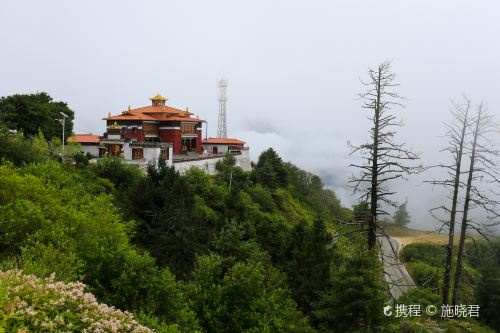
[
  {"x": 270, "y": 170},
  {"x": 401, "y": 217},
  {"x": 308, "y": 269},
  {"x": 355, "y": 297}
]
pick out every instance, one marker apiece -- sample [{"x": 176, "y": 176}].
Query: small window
[
  {"x": 150, "y": 128},
  {"x": 187, "y": 129},
  {"x": 164, "y": 154},
  {"x": 137, "y": 154}
]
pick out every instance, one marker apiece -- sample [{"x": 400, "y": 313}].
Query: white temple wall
[
  {"x": 243, "y": 160},
  {"x": 208, "y": 164},
  {"x": 126, "y": 151},
  {"x": 151, "y": 154},
  {"x": 91, "y": 149}
]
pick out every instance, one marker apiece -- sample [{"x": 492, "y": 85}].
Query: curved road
[{"x": 395, "y": 273}]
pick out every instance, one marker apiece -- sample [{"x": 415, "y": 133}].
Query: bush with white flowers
[{"x": 28, "y": 303}]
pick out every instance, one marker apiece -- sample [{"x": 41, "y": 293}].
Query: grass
[{"x": 409, "y": 236}]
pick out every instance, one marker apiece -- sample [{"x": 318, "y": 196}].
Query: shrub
[
  {"x": 423, "y": 274},
  {"x": 28, "y": 303},
  {"x": 246, "y": 297},
  {"x": 428, "y": 253}
]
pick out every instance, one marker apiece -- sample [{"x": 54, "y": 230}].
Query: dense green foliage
[
  {"x": 424, "y": 262},
  {"x": 18, "y": 150},
  {"x": 361, "y": 212},
  {"x": 482, "y": 276},
  {"x": 35, "y": 112},
  {"x": 270, "y": 170},
  {"x": 56, "y": 220},
  {"x": 99, "y": 223},
  {"x": 248, "y": 296},
  {"x": 485, "y": 258},
  {"x": 235, "y": 252},
  {"x": 355, "y": 297},
  {"x": 175, "y": 225},
  {"x": 431, "y": 254}
]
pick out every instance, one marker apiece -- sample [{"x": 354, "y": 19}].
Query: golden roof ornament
[
  {"x": 158, "y": 97},
  {"x": 114, "y": 125}
]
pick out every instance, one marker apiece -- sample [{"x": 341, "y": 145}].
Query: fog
[{"x": 293, "y": 69}]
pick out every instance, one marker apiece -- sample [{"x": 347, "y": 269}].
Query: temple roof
[
  {"x": 155, "y": 113},
  {"x": 84, "y": 138},
  {"x": 224, "y": 141}
]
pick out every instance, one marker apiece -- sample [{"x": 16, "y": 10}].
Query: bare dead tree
[
  {"x": 456, "y": 134},
  {"x": 384, "y": 159},
  {"x": 483, "y": 171}
]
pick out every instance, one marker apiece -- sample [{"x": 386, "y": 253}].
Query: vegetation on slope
[
  {"x": 122, "y": 233},
  {"x": 30, "y": 304},
  {"x": 235, "y": 252},
  {"x": 481, "y": 287}
]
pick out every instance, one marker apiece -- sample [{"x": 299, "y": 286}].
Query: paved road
[{"x": 395, "y": 272}]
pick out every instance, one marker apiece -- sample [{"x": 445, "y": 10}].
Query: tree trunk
[
  {"x": 458, "y": 269},
  {"x": 451, "y": 233},
  {"x": 372, "y": 225}
]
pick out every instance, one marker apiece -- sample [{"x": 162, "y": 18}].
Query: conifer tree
[
  {"x": 270, "y": 170},
  {"x": 401, "y": 216}
]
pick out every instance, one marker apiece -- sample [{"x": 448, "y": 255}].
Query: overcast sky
[{"x": 293, "y": 68}]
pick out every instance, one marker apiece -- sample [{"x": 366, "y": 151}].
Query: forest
[
  {"x": 189, "y": 253},
  {"x": 103, "y": 247}
]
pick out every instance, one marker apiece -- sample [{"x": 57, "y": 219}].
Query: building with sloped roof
[
  {"x": 154, "y": 126},
  {"x": 90, "y": 143},
  {"x": 143, "y": 135},
  {"x": 223, "y": 145}
]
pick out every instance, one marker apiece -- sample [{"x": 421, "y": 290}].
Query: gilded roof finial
[
  {"x": 114, "y": 125},
  {"x": 158, "y": 97},
  {"x": 109, "y": 114},
  {"x": 187, "y": 109},
  {"x": 129, "y": 108}
]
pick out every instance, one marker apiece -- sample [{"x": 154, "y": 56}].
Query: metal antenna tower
[{"x": 222, "y": 128}]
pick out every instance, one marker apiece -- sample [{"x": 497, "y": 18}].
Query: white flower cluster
[{"x": 47, "y": 305}]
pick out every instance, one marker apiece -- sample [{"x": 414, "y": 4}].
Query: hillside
[
  {"x": 408, "y": 236},
  {"x": 235, "y": 252}
]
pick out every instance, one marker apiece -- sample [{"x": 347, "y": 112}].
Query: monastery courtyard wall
[{"x": 208, "y": 164}]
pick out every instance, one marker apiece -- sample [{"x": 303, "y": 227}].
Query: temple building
[
  {"x": 142, "y": 135},
  {"x": 223, "y": 145}
]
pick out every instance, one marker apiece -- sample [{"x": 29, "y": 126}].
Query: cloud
[
  {"x": 259, "y": 126},
  {"x": 293, "y": 70}
]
